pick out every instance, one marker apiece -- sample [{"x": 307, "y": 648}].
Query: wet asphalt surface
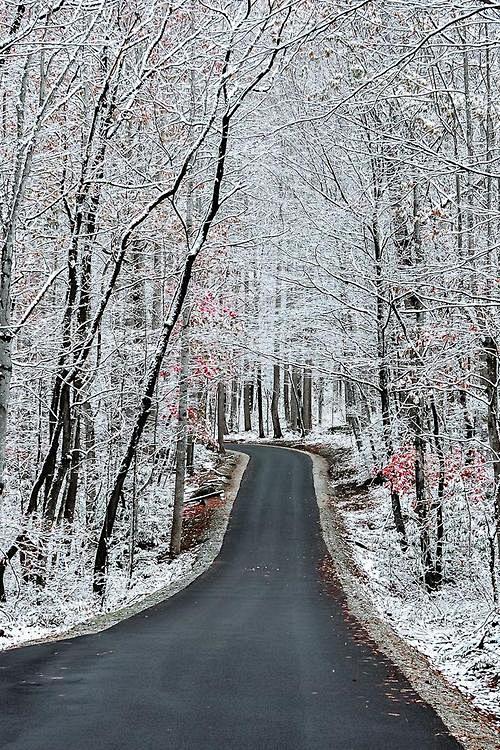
[{"x": 257, "y": 653}]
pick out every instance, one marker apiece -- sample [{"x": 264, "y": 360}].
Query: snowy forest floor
[
  {"x": 62, "y": 610},
  {"x": 456, "y": 628}
]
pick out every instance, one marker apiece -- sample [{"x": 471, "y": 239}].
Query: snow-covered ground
[
  {"x": 31, "y": 615},
  {"x": 66, "y": 600},
  {"x": 457, "y": 627}
]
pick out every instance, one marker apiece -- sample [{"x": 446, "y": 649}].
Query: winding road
[{"x": 256, "y": 653}]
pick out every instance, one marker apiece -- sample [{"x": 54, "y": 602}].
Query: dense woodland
[{"x": 269, "y": 217}]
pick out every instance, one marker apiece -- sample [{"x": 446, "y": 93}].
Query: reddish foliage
[
  {"x": 196, "y": 522},
  {"x": 465, "y": 469},
  {"x": 204, "y": 369},
  {"x": 400, "y": 470},
  {"x": 201, "y": 508}
]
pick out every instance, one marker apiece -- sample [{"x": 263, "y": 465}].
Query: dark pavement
[{"x": 257, "y": 653}]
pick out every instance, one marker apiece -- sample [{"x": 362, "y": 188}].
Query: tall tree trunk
[
  {"x": 233, "y": 411},
  {"x": 321, "y": 399},
  {"x": 69, "y": 504},
  {"x": 491, "y": 377},
  {"x": 175, "y": 309},
  {"x": 468, "y": 423},
  {"x": 221, "y": 416},
  {"x": 247, "y": 405},
  {"x": 190, "y": 454},
  {"x": 275, "y": 403},
  {"x": 383, "y": 378},
  {"x": 180, "y": 448},
  {"x": 286, "y": 397},
  {"x": 307, "y": 398},
  {"x": 296, "y": 419},
  {"x": 5, "y": 349},
  {"x": 421, "y": 504},
  {"x": 260, "y": 410},
  {"x": 90, "y": 451},
  {"x": 440, "y": 496},
  {"x": 351, "y": 414}
]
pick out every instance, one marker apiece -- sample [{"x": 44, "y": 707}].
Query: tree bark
[
  {"x": 286, "y": 397},
  {"x": 190, "y": 454},
  {"x": 5, "y": 349},
  {"x": 307, "y": 398},
  {"x": 296, "y": 419},
  {"x": 321, "y": 400},
  {"x": 438, "y": 578},
  {"x": 260, "y": 410},
  {"x": 233, "y": 413},
  {"x": 180, "y": 450},
  {"x": 383, "y": 382},
  {"x": 491, "y": 377},
  {"x": 275, "y": 403},
  {"x": 421, "y": 505},
  {"x": 247, "y": 406},
  {"x": 221, "y": 416}
]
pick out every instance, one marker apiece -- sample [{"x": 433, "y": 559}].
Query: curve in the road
[{"x": 256, "y": 654}]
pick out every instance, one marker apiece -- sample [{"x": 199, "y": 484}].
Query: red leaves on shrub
[{"x": 465, "y": 470}]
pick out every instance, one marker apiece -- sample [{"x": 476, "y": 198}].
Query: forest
[{"x": 251, "y": 220}]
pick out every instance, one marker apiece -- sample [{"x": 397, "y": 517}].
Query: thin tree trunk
[
  {"x": 221, "y": 416},
  {"x": 69, "y": 504},
  {"x": 190, "y": 454},
  {"x": 383, "y": 381},
  {"x": 247, "y": 406},
  {"x": 491, "y": 376},
  {"x": 296, "y": 402},
  {"x": 133, "y": 524},
  {"x": 307, "y": 398},
  {"x": 321, "y": 400},
  {"x": 5, "y": 349},
  {"x": 260, "y": 411},
  {"x": 286, "y": 397},
  {"x": 180, "y": 449},
  {"x": 351, "y": 414},
  {"x": 440, "y": 497},
  {"x": 90, "y": 493},
  {"x": 421, "y": 505},
  {"x": 233, "y": 413},
  {"x": 275, "y": 403}
]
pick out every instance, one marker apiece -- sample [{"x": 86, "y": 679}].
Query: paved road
[{"x": 257, "y": 654}]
